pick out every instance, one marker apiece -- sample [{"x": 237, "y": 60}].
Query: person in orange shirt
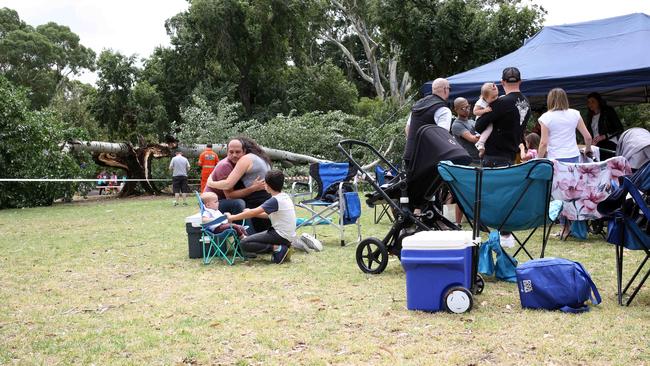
[{"x": 207, "y": 161}]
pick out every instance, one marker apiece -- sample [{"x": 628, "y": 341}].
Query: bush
[
  {"x": 29, "y": 148},
  {"x": 314, "y": 133}
]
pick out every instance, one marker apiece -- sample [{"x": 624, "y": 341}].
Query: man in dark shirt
[
  {"x": 431, "y": 109},
  {"x": 509, "y": 116}
]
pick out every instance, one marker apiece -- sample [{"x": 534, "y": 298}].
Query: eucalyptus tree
[
  {"x": 40, "y": 58},
  {"x": 246, "y": 42},
  {"x": 441, "y": 38}
]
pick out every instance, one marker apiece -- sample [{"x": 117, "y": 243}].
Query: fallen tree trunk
[{"x": 136, "y": 160}]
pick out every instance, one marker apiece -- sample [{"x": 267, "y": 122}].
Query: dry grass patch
[{"x": 110, "y": 283}]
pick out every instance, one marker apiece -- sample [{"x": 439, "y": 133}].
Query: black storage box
[{"x": 194, "y": 240}]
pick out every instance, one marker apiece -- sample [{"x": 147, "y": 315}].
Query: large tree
[
  {"x": 40, "y": 59},
  {"x": 441, "y": 38},
  {"x": 361, "y": 19},
  {"x": 246, "y": 42}
]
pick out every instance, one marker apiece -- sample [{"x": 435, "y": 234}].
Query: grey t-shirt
[
  {"x": 282, "y": 214},
  {"x": 179, "y": 166},
  {"x": 259, "y": 169},
  {"x": 458, "y": 128}
]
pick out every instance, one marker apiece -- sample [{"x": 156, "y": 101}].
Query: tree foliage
[
  {"x": 29, "y": 149},
  {"x": 40, "y": 58},
  {"x": 441, "y": 38},
  {"x": 124, "y": 107},
  {"x": 246, "y": 42}
]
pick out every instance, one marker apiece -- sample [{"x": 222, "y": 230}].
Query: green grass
[{"x": 110, "y": 282}]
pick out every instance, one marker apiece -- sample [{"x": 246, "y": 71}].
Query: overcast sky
[{"x": 137, "y": 26}]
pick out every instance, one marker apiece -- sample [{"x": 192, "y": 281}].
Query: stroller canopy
[
  {"x": 609, "y": 56},
  {"x": 634, "y": 145}
]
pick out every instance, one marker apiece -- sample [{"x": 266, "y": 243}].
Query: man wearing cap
[
  {"x": 431, "y": 109},
  {"x": 509, "y": 117}
]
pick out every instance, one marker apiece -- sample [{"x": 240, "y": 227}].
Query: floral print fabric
[{"x": 582, "y": 186}]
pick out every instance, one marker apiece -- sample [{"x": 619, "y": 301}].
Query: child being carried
[{"x": 489, "y": 93}]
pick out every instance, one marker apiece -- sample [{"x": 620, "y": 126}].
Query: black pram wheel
[
  {"x": 479, "y": 284},
  {"x": 372, "y": 256}
]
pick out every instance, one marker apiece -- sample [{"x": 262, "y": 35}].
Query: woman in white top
[{"x": 559, "y": 125}]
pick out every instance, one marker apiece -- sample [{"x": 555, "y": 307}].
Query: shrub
[{"x": 29, "y": 148}]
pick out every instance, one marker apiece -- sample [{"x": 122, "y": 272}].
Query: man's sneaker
[
  {"x": 280, "y": 256},
  {"x": 507, "y": 241},
  {"x": 175, "y": 203},
  {"x": 311, "y": 242},
  {"x": 300, "y": 244}
]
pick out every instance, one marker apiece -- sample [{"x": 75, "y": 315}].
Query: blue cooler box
[{"x": 435, "y": 261}]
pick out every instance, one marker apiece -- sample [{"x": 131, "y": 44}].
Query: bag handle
[
  {"x": 569, "y": 309},
  {"x": 597, "y": 300}
]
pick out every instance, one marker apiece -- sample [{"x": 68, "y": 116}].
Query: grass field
[{"x": 110, "y": 282}]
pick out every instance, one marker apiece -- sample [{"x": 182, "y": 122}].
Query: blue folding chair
[
  {"x": 629, "y": 226},
  {"x": 337, "y": 193},
  {"x": 224, "y": 245},
  {"x": 512, "y": 198}
]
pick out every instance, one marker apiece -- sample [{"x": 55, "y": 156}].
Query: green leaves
[
  {"x": 29, "y": 149},
  {"x": 40, "y": 59}
]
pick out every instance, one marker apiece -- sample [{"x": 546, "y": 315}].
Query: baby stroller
[
  {"x": 409, "y": 190},
  {"x": 634, "y": 145}
]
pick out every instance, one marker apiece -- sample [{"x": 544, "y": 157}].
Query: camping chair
[
  {"x": 629, "y": 226},
  {"x": 384, "y": 208},
  {"x": 512, "y": 198},
  {"x": 223, "y": 245},
  {"x": 581, "y": 186},
  {"x": 337, "y": 194}
]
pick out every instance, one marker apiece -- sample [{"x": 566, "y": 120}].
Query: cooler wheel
[
  {"x": 458, "y": 300},
  {"x": 372, "y": 256},
  {"x": 479, "y": 284}
]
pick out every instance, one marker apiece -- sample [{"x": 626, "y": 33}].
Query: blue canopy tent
[{"x": 610, "y": 56}]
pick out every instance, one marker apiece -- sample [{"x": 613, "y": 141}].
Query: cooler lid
[
  {"x": 438, "y": 240},
  {"x": 195, "y": 219}
]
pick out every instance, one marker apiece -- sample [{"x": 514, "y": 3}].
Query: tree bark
[{"x": 374, "y": 75}]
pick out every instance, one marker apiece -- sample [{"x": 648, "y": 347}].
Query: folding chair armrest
[{"x": 636, "y": 196}]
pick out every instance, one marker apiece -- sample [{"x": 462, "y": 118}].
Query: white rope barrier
[{"x": 84, "y": 180}]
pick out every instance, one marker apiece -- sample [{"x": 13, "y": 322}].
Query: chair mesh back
[
  {"x": 516, "y": 197},
  {"x": 326, "y": 174}
]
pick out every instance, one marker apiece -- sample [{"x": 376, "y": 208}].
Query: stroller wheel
[
  {"x": 479, "y": 284},
  {"x": 372, "y": 256},
  {"x": 458, "y": 300}
]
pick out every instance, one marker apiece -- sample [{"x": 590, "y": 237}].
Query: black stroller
[{"x": 418, "y": 189}]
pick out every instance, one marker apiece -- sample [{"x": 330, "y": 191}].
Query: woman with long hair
[
  {"x": 558, "y": 125},
  {"x": 603, "y": 123},
  {"x": 251, "y": 170}
]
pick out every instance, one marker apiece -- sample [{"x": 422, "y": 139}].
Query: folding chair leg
[
  {"x": 619, "y": 273},
  {"x": 638, "y": 287}
]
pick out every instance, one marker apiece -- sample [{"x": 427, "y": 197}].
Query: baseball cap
[{"x": 511, "y": 75}]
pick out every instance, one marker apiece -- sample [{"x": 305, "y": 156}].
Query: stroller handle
[{"x": 351, "y": 142}]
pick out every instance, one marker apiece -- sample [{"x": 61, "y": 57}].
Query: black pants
[
  {"x": 257, "y": 225},
  {"x": 491, "y": 161},
  {"x": 263, "y": 242}
]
